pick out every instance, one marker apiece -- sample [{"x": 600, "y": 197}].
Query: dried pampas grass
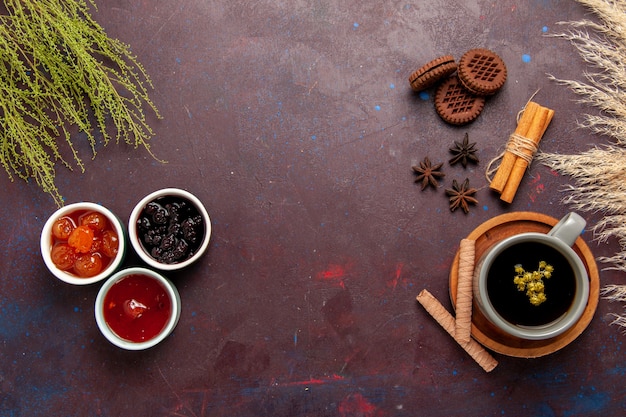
[
  {"x": 616, "y": 293},
  {"x": 599, "y": 174}
]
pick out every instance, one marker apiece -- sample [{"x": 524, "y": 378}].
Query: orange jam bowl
[{"x": 69, "y": 275}]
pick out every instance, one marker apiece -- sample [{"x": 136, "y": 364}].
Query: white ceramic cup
[
  {"x": 46, "y": 242},
  {"x": 118, "y": 341},
  {"x": 560, "y": 238},
  {"x": 133, "y": 232}
]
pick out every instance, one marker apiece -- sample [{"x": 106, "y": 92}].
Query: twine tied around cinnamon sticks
[
  {"x": 460, "y": 328},
  {"x": 520, "y": 150}
]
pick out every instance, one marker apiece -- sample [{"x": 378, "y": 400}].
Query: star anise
[
  {"x": 464, "y": 152},
  {"x": 461, "y": 195},
  {"x": 428, "y": 174}
]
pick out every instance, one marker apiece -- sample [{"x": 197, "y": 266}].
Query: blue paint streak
[
  {"x": 544, "y": 410},
  {"x": 526, "y": 58},
  {"x": 377, "y": 108},
  {"x": 544, "y": 29},
  {"x": 618, "y": 370},
  {"x": 588, "y": 402},
  {"x": 36, "y": 399}
]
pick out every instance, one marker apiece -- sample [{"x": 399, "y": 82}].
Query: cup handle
[{"x": 568, "y": 228}]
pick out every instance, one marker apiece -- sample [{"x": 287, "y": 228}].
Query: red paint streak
[
  {"x": 334, "y": 274},
  {"x": 398, "y": 273},
  {"x": 539, "y": 188},
  {"x": 356, "y": 405},
  {"x": 536, "y": 179},
  {"x": 316, "y": 381}
]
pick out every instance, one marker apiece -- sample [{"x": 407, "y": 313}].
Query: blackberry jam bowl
[
  {"x": 83, "y": 243},
  {"x": 169, "y": 229}
]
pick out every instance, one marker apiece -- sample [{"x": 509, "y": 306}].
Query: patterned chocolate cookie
[
  {"x": 456, "y": 105},
  {"x": 482, "y": 71},
  {"x": 433, "y": 72}
]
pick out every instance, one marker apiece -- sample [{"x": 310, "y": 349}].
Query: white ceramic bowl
[
  {"x": 134, "y": 232},
  {"x": 169, "y": 326},
  {"x": 46, "y": 243}
]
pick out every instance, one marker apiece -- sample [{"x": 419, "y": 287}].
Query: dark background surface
[{"x": 294, "y": 123}]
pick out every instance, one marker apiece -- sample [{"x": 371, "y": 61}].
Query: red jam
[
  {"x": 83, "y": 243},
  {"x": 137, "y": 308}
]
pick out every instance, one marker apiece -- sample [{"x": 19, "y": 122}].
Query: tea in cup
[{"x": 534, "y": 286}]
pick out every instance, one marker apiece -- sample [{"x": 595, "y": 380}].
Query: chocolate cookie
[
  {"x": 482, "y": 71},
  {"x": 456, "y": 105},
  {"x": 433, "y": 72}
]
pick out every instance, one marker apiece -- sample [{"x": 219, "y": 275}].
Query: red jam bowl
[
  {"x": 88, "y": 257},
  {"x": 169, "y": 229},
  {"x": 137, "y": 308}
]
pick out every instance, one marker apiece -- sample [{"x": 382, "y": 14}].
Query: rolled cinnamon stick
[
  {"x": 445, "y": 320},
  {"x": 543, "y": 118},
  {"x": 464, "y": 291},
  {"x": 508, "y": 160}
]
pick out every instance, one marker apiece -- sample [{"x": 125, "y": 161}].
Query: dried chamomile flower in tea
[{"x": 532, "y": 282}]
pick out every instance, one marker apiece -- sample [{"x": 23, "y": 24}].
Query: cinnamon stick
[
  {"x": 508, "y": 160},
  {"x": 445, "y": 319},
  {"x": 464, "y": 291},
  {"x": 535, "y": 133}
]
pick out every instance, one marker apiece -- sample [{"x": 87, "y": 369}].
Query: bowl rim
[
  {"x": 126, "y": 344},
  {"x": 138, "y": 247},
  {"x": 45, "y": 243}
]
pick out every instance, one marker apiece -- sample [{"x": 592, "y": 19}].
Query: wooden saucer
[{"x": 488, "y": 234}]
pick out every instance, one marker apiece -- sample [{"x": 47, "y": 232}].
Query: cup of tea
[{"x": 534, "y": 286}]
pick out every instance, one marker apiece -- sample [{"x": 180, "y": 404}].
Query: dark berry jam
[
  {"x": 137, "y": 308},
  {"x": 170, "y": 229}
]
